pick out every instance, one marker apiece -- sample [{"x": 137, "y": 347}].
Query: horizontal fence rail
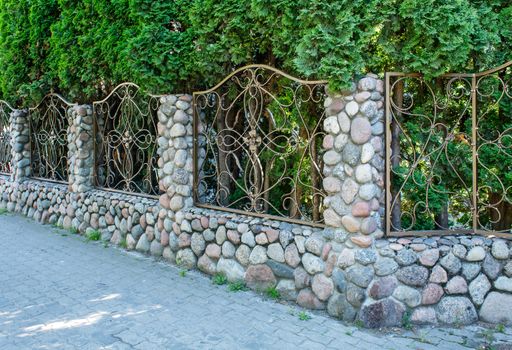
[
  {"x": 49, "y": 127},
  {"x": 257, "y": 145},
  {"x": 126, "y": 141},
  {"x": 5, "y": 137},
  {"x": 449, "y": 153}
]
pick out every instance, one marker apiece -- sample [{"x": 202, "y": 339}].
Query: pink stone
[
  {"x": 165, "y": 201},
  {"x": 328, "y": 142},
  {"x": 332, "y": 219},
  {"x": 184, "y": 240},
  {"x": 325, "y": 251},
  {"x": 361, "y": 209},
  {"x": 438, "y": 275},
  {"x": 261, "y": 238},
  {"x": 272, "y": 235},
  {"x": 213, "y": 250},
  {"x": 142, "y": 222},
  {"x": 432, "y": 294},
  {"x": 322, "y": 286},
  {"x": 205, "y": 222},
  {"x": 291, "y": 255},
  {"x": 361, "y": 130},
  {"x": 396, "y": 246},
  {"x": 404, "y": 241},
  {"x": 176, "y": 228},
  {"x": 368, "y": 225},
  {"x": 307, "y": 299},
  {"x": 259, "y": 277},
  {"x": 331, "y": 264},
  {"x": 233, "y": 236},
  {"x": 362, "y": 241},
  {"x": 332, "y": 184},
  {"x": 457, "y": 285},
  {"x": 350, "y": 223},
  {"x": 164, "y": 238},
  {"x": 429, "y": 257}
]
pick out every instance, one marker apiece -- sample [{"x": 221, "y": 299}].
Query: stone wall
[{"x": 347, "y": 268}]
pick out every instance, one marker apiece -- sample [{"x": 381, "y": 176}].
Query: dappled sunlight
[
  {"x": 135, "y": 313},
  {"x": 60, "y": 325},
  {"x": 107, "y": 297}
]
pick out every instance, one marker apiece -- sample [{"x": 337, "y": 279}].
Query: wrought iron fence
[
  {"x": 49, "y": 126},
  {"x": 257, "y": 145},
  {"x": 5, "y": 137},
  {"x": 126, "y": 141},
  {"x": 449, "y": 153}
]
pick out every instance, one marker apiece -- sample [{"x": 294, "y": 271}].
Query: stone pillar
[
  {"x": 354, "y": 160},
  {"x": 175, "y": 144},
  {"x": 20, "y": 145},
  {"x": 81, "y": 149}
]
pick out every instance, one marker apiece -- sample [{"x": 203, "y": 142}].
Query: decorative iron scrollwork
[
  {"x": 449, "y": 153},
  {"x": 257, "y": 142},
  {"x": 49, "y": 126},
  {"x": 126, "y": 138},
  {"x": 5, "y": 137}
]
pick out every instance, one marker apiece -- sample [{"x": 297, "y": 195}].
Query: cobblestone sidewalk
[{"x": 59, "y": 292}]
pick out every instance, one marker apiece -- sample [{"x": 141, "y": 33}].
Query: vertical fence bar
[
  {"x": 387, "y": 138},
  {"x": 475, "y": 153}
]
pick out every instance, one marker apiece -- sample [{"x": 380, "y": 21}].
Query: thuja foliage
[{"x": 84, "y": 48}]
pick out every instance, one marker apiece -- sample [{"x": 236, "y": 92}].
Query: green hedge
[{"x": 84, "y": 48}]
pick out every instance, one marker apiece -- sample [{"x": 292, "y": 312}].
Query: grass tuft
[
  {"x": 273, "y": 293},
  {"x": 94, "y": 235},
  {"x": 304, "y": 316},
  {"x": 237, "y": 287},
  {"x": 219, "y": 279}
]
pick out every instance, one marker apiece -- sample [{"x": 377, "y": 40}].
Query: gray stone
[
  {"x": 312, "y": 263},
  {"x": 406, "y": 257},
  {"x": 456, "y": 311},
  {"x": 248, "y": 238},
  {"x": 503, "y": 283},
  {"x": 197, "y": 243},
  {"x": 338, "y": 278},
  {"x": 365, "y": 256},
  {"x": 351, "y": 154},
  {"x": 143, "y": 244},
  {"x": 382, "y": 313},
  {"x": 476, "y": 254},
  {"x": 258, "y": 255},
  {"x": 413, "y": 275},
  {"x": 331, "y": 157},
  {"x": 314, "y": 244},
  {"x": 360, "y": 275},
  {"x": 228, "y": 249},
  {"x": 156, "y": 248},
  {"x": 186, "y": 258},
  {"x": 339, "y": 307},
  {"x": 432, "y": 293},
  {"x": 242, "y": 254},
  {"x": 286, "y": 289},
  {"x": 331, "y": 125},
  {"x": 508, "y": 269},
  {"x": 500, "y": 250},
  {"x": 363, "y": 173},
  {"x": 275, "y": 251},
  {"x": 302, "y": 278},
  {"x": 478, "y": 289},
  {"x": 385, "y": 266},
  {"x": 491, "y": 267},
  {"x": 355, "y": 295},
  {"x": 497, "y": 308},
  {"x": 470, "y": 270},
  {"x": 280, "y": 270},
  {"x": 349, "y": 190},
  {"x": 451, "y": 263},
  {"x": 220, "y": 235},
  {"x": 410, "y": 296},
  {"x": 459, "y": 251},
  {"x": 285, "y": 238},
  {"x": 233, "y": 271}
]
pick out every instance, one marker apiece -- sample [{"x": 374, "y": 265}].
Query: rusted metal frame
[
  {"x": 474, "y": 135},
  {"x": 30, "y": 126},
  {"x": 43, "y": 179},
  {"x": 197, "y": 122},
  {"x": 7, "y": 144},
  {"x": 260, "y": 215},
  {"x": 474, "y": 145},
  {"x": 95, "y": 127}
]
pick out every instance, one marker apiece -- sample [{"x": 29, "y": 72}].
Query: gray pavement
[{"x": 58, "y": 291}]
